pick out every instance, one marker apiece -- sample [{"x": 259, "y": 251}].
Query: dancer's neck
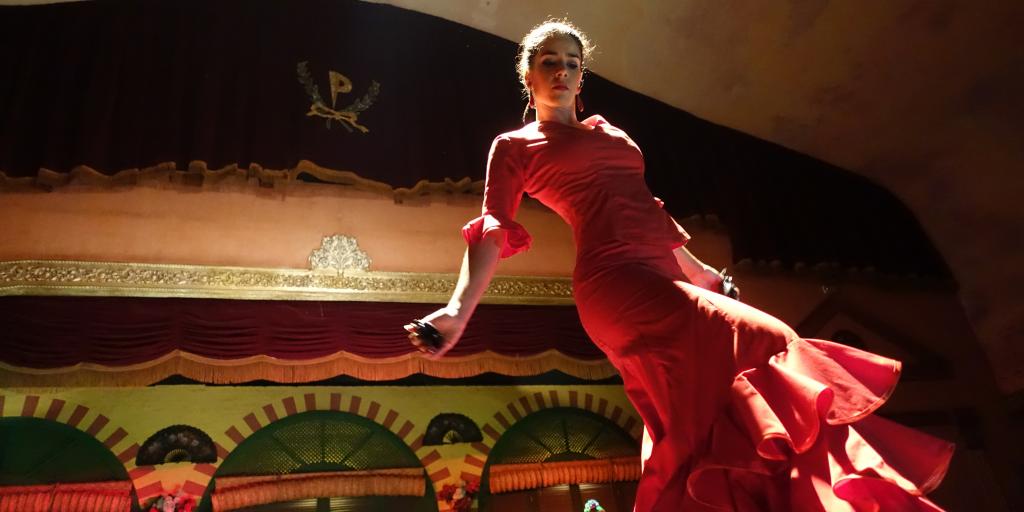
[{"x": 563, "y": 115}]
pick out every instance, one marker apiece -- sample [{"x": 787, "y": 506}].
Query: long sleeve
[{"x": 503, "y": 191}]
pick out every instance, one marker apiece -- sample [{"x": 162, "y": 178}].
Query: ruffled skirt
[{"x": 742, "y": 414}]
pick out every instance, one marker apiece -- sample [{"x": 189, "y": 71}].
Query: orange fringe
[
  {"x": 246, "y": 491},
  {"x": 230, "y": 371},
  {"x": 81, "y": 497},
  {"x": 518, "y": 477}
]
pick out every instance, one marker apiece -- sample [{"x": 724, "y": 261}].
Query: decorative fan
[
  {"x": 451, "y": 428},
  {"x": 177, "y": 443}
]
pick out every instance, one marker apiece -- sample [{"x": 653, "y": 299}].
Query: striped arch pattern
[
  {"x": 527, "y": 404},
  {"x": 83, "y": 418},
  {"x": 353, "y": 404}
]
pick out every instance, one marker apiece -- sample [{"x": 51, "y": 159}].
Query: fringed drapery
[
  {"x": 76, "y": 497},
  {"x": 518, "y": 477},
  {"x": 237, "y": 492},
  {"x": 220, "y": 371},
  {"x": 117, "y": 341}
]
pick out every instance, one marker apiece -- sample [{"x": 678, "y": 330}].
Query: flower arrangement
[
  {"x": 593, "y": 506},
  {"x": 459, "y": 497},
  {"x": 177, "y": 502}
]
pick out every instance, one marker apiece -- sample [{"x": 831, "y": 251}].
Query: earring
[
  {"x": 579, "y": 103},
  {"x": 530, "y": 104}
]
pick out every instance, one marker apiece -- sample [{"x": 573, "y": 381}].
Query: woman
[{"x": 740, "y": 413}]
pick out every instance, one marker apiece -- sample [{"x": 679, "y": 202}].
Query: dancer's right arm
[
  {"x": 478, "y": 266},
  {"x": 492, "y": 235}
]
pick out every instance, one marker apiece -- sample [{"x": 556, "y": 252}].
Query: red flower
[
  {"x": 464, "y": 491},
  {"x": 447, "y": 492}
]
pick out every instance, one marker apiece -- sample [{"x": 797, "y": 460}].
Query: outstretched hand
[
  {"x": 448, "y": 325},
  {"x": 711, "y": 279},
  {"x": 704, "y": 275}
]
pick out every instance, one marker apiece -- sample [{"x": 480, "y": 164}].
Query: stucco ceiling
[{"x": 921, "y": 96}]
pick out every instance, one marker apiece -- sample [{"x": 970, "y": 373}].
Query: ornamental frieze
[{"x": 41, "y": 277}]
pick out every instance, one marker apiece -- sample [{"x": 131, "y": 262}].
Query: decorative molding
[
  {"x": 339, "y": 252},
  {"x": 198, "y": 175},
  {"x": 84, "y": 278}
]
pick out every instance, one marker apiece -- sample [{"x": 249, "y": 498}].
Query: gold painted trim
[{"x": 112, "y": 279}]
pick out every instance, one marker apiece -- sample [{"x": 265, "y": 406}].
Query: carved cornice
[
  {"x": 84, "y": 278},
  {"x": 198, "y": 175}
]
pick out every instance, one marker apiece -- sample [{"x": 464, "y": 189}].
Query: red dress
[{"x": 740, "y": 413}]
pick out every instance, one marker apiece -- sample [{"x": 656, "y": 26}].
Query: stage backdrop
[{"x": 393, "y": 96}]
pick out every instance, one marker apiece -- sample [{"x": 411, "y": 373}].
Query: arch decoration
[
  {"x": 515, "y": 410},
  {"x": 112, "y": 441},
  {"x": 557, "y": 458},
  {"x": 389, "y": 419}
]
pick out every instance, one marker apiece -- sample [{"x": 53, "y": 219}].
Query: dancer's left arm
[{"x": 698, "y": 272}]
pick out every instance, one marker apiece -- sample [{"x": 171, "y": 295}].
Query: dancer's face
[{"x": 556, "y": 75}]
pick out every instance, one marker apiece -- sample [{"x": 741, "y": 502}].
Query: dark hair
[{"x": 536, "y": 37}]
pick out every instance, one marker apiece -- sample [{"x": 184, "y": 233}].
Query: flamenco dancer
[{"x": 740, "y": 413}]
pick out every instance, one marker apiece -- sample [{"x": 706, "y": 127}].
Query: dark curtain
[{"x": 130, "y": 84}]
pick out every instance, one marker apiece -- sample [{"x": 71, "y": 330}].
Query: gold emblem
[{"x": 347, "y": 116}]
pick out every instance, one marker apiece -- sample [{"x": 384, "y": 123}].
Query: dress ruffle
[
  {"x": 804, "y": 417},
  {"x": 516, "y": 240}
]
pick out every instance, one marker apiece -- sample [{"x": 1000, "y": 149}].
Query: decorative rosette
[
  {"x": 459, "y": 496},
  {"x": 176, "y": 502}
]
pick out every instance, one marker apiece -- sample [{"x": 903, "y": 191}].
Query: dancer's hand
[
  {"x": 448, "y": 324},
  {"x": 714, "y": 280},
  {"x": 704, "y": 275}
]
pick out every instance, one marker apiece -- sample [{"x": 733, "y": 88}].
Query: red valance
[{"x": 50, "y": 340}]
